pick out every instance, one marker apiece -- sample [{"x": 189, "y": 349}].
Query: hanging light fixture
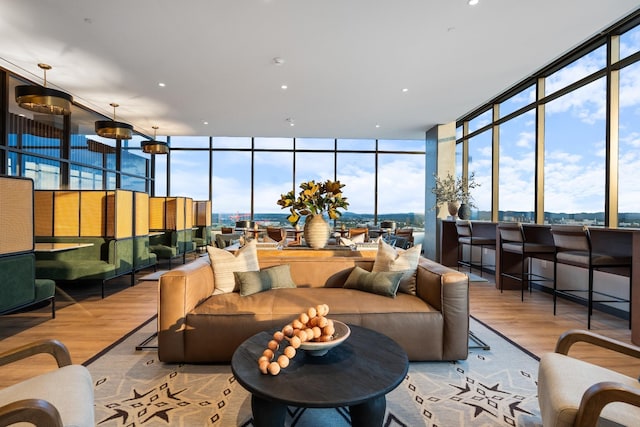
[
  {"x": 154, "y": 146},
  {"x": 113, "y": 129},
  {"x": 43, "y": 99}
]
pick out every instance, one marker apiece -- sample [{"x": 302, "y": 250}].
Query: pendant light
[
  {"x": 113, "y": 129},
  {"x": 43, "y": 99},
  {"x": 154, "y": 146}
]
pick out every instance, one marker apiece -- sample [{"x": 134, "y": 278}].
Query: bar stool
[
  {"x": 573, "y": 247},
  {"x": 513, "y": 240},
  {"x": 465, "y": 237}
]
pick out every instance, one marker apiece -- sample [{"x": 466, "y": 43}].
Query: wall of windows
[
  {"x": 63, "y": 152},
  {"x": 568, "y": 139},
  {"x": 384, "y": 179}
]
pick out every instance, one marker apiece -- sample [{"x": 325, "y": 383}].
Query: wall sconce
[
  {"x": 43, "y": 99},
  {"x": 113, "y": 129},
  {"x": 153, "y": 146}
]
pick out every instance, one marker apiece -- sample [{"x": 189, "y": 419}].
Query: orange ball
[
  {"x": 274, "y": 368},
  {"x": 297, "y": 324},
  {"x": 290, "y": 352},
  {"x": 268, "y": 353},
  {"x": 316, "y": 332},
  {"x": 304, "y": 318},
  {"x": 283, "y": 361},
  {"x": 264, "y": 366},
  {"x": 273, "y": 345},
  {"x": 288, "y": 330},
  {"x": 312, "y": 312},
  {"x": 295, "y": 342},
  {"x": 278, "y": 336}
]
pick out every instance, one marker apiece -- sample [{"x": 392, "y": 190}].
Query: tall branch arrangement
[{"x": 452, "y": 189}]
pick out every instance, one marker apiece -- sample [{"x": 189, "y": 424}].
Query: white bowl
[{"x": 314, "y": 348}]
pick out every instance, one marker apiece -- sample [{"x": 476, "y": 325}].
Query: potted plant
[
  {"x": 315, "y": 199},
  {"x": 455, "y": 192}
]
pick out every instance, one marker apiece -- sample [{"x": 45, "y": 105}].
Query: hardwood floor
[{"x": 87, "y": 324}]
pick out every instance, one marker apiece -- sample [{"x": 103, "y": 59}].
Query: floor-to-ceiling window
[{"x": 561, "y": 133}]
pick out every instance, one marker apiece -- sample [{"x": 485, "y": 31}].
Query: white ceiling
[{"x": 346, "y": 62}]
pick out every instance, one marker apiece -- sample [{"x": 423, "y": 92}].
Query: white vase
[{"x": 316, "y": 231}]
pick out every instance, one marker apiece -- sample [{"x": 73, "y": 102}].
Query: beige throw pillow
[
  {"x": 225, "y": 263},
  {"x": 390, "y": 258}
]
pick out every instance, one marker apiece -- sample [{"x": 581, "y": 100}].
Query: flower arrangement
[
  {"x": 453, "y": 190},
  {"x": 314, "y": 198}
]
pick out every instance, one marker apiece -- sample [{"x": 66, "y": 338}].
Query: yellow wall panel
[
  {"x": 43, "y": 202},
  {"x": 124, "y": 214},
  {"x": 156, "y": 213},
  {"x": 142, "y": 213},
  {"x": 66, "y": 206},
  {"x": 93, "y": 215},
  {"x": 16, "y": 215}
]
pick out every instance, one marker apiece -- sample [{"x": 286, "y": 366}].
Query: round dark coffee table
[{"x": 358, "y": 373}]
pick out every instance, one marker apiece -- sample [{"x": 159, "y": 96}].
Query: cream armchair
[
  {"x": 61, "y": 397},
  {"x": 573, "y": 392}
]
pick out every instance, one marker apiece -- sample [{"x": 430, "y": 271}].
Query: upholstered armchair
[
  {"x": 61, "y": 397},
  {"x": 572, "y": 392}
]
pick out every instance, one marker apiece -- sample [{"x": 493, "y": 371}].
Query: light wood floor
[{"x": 87, "y": 324}]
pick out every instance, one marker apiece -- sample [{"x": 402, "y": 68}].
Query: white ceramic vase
[{"x": 316, "y": 231}]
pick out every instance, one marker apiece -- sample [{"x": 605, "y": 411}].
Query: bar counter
[{"x": 615, "y": 241}]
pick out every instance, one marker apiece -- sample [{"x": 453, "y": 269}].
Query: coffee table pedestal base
[{"x": 267, "y": 413}]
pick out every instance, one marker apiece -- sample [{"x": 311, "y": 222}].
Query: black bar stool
[
  {"x": 466, "y": 237},
  {"x": 513, "y": 240},
  {"x": 573, "y": 247}
]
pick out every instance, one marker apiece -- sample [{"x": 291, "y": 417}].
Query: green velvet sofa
[
  {"x": 18, "y": 286},
  {"x": 105, "y": 259}
]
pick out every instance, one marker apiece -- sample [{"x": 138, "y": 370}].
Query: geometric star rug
[{"x": 495, "y": 387}]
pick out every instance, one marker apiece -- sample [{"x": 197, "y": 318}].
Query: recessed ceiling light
[
  {"x": 405, "y": 90},
  {"x": 377, "y": 126},
  {"x": 473, "y": 2},
  {"x": 205, "y": 123},
  {"x": 161, "y": 84},
  {"x": 290, "y": 121},
  {"x": 284, "y": 87},
  {"x": 278, "y": 61}
]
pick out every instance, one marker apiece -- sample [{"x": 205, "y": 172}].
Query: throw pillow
[
  {"x": 224, "y": 263},
  {"x": 276, "y": 277},
  {"x": 382, "y": 283},
  {"x": 389, "y": 258}
]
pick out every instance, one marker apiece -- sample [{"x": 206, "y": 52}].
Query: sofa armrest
[
  {"x": 447, "y": 290},
  {"x": 181, "y": 290}
]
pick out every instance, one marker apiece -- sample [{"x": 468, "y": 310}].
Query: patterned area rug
[{"x": 491, "y": 388}]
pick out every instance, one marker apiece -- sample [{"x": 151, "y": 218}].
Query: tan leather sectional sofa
[{"x": 195, "y": 326}]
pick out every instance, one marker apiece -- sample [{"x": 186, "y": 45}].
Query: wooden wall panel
[
  {"x": 66, "y": 210},
  {"x": 202, "y": 212},
  {"x": 188, "y": 213},
  {"x": 43, "y": 202},
  {"x": 171, "y": 214},
  {"x": 123, "y": 214},
  {"x": 16, "y": 215},
  {"x": 93, "y": 215},
  {"x": 157, "y": 213},
  {"x": 141, "y": 214}
]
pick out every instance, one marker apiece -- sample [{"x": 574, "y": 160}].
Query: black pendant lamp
[
  {"x": 42, "y": 99},
  {"x": 113, "y": 129},
  {"x": 154, "y": 146}
]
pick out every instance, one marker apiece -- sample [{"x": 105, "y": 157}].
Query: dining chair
[{"x": 358, "y": 233}]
